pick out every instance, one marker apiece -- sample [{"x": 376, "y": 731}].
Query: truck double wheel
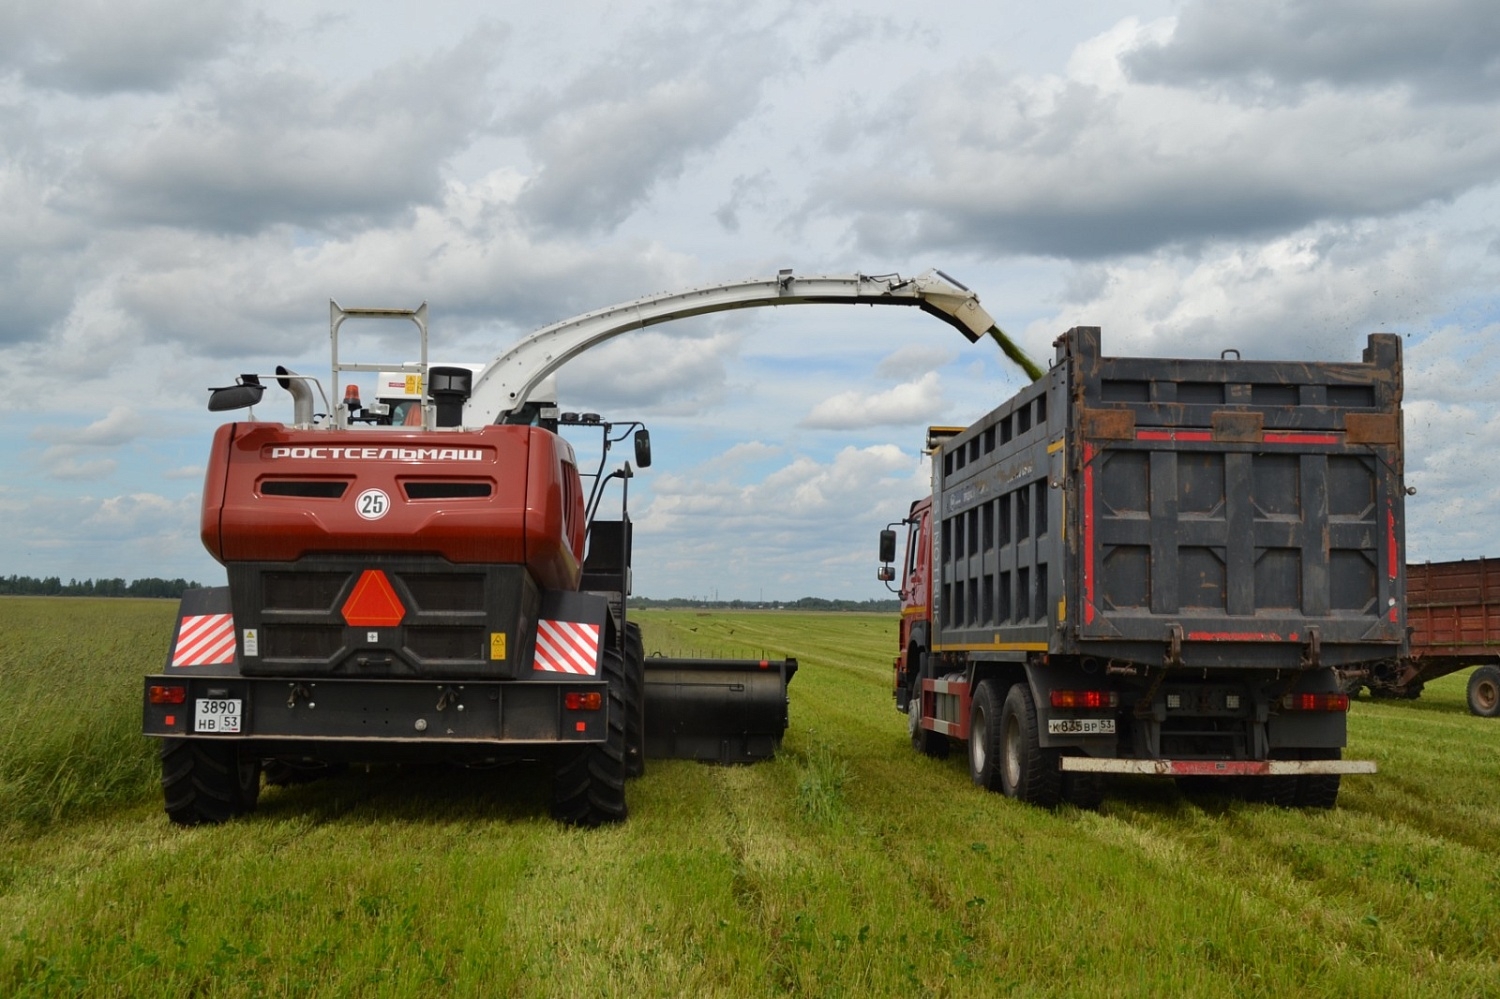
[{"x": 1005, "y": 752}]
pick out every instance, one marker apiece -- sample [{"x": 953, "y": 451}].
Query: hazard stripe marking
[
  {"x": 567, "y": 647},
  {"x": 204, "y": 640}
]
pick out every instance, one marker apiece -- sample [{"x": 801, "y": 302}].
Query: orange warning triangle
[{"x": 373, "y": 604}]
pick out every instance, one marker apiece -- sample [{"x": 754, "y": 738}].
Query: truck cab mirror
[
  {"x": 643, "y": 448},
  {"x": 887, "y": 546},
  {"x": 247, "y": 393},
  {"x": 886, "y": 573}
]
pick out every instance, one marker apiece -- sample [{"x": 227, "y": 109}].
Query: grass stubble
[{"x": 848, "y": 866}]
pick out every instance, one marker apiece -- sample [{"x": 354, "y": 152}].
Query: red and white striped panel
[
  {"x": 204, "y": 640},
  {"x": 567, "y": 647}
]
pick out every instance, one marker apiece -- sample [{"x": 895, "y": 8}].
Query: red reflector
[
  {"x": 1316, "y": 702},
  {"x": 374, "y": 603},
  {"x": 1085, "y": 699},
  {"x": 575, "y": 701},
  {"x": 168, "y": 695}
]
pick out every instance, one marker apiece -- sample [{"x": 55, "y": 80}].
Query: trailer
[
  {"x": 1157, "y": 566},
  {"x": 1453, "y": 623}
]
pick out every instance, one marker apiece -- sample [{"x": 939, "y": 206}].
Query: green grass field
[{"x": 848, "y": 866}]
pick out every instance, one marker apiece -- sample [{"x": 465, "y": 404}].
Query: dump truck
[
  {"x": 1453, "y": 623},
  {"x": 424, "y": 578},
  {"x": 1156, "y": 566}
]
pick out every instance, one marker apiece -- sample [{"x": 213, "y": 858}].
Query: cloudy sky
[{"x": 185, "y": 183}]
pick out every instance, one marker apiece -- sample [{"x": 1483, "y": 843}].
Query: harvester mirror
[
  {"x": 247, "y": 393},
  {"x": 887, "y": 547},
  {"x": 643, "y": 448},
  {"x": 886, "y": 573}
]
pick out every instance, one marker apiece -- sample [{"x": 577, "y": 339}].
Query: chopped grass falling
[{"x": 848, "y": 866}]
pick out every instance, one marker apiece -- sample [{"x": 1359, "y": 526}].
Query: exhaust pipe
[{"x": 302, "y": 397}]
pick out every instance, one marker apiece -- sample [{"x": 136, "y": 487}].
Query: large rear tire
[
  {"x": 208, "y": 781},
  {"x": 588, "y": 782},
  {"x": 635, "y": 707},
  {"x": 1318, "y": 790},
  {"x": 1028, "y": 772},
  {"x": 1484, "y": 692},
  {"x": 1083, "y": 790}
]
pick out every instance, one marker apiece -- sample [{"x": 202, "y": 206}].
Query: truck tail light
[
  {"x": 1085, "y": 699},
  {"x": 575, "y": 701},
  {"x": 1315, "y": 702},
  {"x": 167, "y": 695}
]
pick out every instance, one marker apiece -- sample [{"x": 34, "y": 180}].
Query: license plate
[
  {"x": 216, "y": 714},
  {"x": 1080, "y": 726}
]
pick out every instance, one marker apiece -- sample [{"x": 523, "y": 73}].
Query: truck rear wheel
[
  {"x": 207, "y": 781},
  {"x": 1484, "y": 692},
  {"x": 588, "y": 782},
  {"x": 635, "y": 706},
  {"x": 1027, "y": 771},
  {"x": 1318, "y": 790}
]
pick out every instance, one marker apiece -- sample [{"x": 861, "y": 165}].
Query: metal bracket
[
  {"x": 1312, "y": 652},
  {"x": 298, "y": 692},
  {"x": 1171, "y": 660}
]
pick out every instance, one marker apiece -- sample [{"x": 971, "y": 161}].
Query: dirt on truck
[{"x": 1157, "y": 566}]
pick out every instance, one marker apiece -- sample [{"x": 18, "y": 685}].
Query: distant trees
[
  {"x": 804, "y": 604},
  {"x": 52, "y": 586}
]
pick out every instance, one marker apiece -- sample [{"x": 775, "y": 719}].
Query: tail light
[
  {"x": 167, "y": 695},
  {"x": 1315, "y": 702},
  {"x": 1085, "y": 699},
  {"x": 575, "y": 701}
]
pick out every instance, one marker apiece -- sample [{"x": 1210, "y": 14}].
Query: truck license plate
[
  {"x": 1078, "y": 726},
  {"x": 216, "y": 714}
]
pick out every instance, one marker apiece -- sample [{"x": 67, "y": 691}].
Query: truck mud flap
[{"x": 717, "y": 710}]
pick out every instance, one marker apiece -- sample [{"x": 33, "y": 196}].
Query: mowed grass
[{"x": 848, "y": 866}]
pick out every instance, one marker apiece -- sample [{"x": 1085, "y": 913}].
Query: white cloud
[
  {"x": 915, "y": 358},
  {"x": 905, "y": 404},
  {"x": 89, "y": 47},
  {"x": 120, "y": 425},
  {"x": 1094, "y": 163}
]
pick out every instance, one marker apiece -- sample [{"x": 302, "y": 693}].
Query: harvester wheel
[
  {"x": 635, "y": 705},
  {"x": 1484, "y": 692},
  {"x": 1027, "y": 771},
  {"x": 1318, "y": 790},
  {"x": 207, "y": 781},
  {"x": 588, "y": 782},
  {"x": 924, "y": 740},
  {"x": 985, "y": 752}
]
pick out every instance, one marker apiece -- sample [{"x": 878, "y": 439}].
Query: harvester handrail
[{"x": 336, "y": 316}]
